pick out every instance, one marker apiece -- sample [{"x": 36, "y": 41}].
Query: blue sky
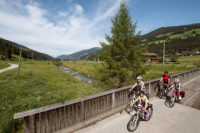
[{"x": 58, "y": 27}]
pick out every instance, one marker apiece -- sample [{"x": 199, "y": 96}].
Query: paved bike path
[
  {"x": 13, "y": 66},
  {"x": 180, "y": 118}
]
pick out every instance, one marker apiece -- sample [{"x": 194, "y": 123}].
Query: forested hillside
[
  {"x": 158, "y": 35},
  {"x": 7, "y": 48},
  {"x": 177, "y": 45}
]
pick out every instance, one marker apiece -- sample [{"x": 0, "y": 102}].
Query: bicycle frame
[
  {"x": 175, "y": 97},
  {"x": 139, "y": 113}
]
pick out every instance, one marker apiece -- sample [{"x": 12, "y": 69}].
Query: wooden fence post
[
  {"x": 113, "y": 99},
  {"x": 19, "y": 60},
  {"x": 82, "y": 111}
]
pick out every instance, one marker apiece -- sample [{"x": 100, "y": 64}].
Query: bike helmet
[
  {"x": 139, "y": 77},
  {"x": 142, "y": 91},
  {"x": 176, "y": 80},
  {"x": 165, "y": 72}
]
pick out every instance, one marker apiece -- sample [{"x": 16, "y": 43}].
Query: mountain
[
  {"x": 79, "y": 54},
  {"x": 9, "y": 47},
  {"x": 62, "y": 56},
  {"x": 169, "y": 33},
  {"x": 179, "y": 39}
]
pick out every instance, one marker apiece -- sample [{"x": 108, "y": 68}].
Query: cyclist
[
  {"x": 166, "y": 79},
  {"x": 139, "y": 83},
  {"x": 177, "y": 86},
  {"x": 143, "y": 102}
]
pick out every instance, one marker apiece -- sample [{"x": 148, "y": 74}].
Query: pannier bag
[{"x": 182, "y": 93}]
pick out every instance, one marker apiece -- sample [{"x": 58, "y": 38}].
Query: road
[
  {"x": 13, "y": 66},
  {"x": 180, "y": 118}
]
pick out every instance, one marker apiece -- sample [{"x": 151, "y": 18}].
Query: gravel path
[{"x": 13, "y": 66}]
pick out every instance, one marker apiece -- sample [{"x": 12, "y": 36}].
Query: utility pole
[
  {"x": 32, "y": 55},
  {"x": 28, "y": 59},
  {"x": 19, "y": 60},
  {"x": 98, "y": 57},
  {"x": 164, "y": 54}
]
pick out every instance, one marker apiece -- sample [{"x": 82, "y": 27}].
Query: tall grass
[
  {"x": 38, "y": 85},
  {"x": 3, "y": 64}
]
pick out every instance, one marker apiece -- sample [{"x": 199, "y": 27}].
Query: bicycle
[
  {"x": 173, "y": 100},
  {"x": 135, "y": 119},
  {"x": 129, "y": 108},
  {"x": 163, "y": 91}
]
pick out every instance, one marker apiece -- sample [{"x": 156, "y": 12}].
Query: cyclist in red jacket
[{"x": 166, "y": 79}]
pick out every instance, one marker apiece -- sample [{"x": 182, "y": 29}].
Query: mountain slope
[
  {"x": 178, "y": 39},
  {"x": 62, "y": 56},
  {"x": 7, "y": 46},
  {"x": 169, "y": 33},
  {"x": 79, "y": 54}
]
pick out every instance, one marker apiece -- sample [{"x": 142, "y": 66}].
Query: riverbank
[{"x": 155, "y": 71}]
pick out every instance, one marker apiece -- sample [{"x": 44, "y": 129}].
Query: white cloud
[
  {"x": 63, "y": 14},
  {"x": 79, "y": 9},
  {"x": 70, "y": 34}
]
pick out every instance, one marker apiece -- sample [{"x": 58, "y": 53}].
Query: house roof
[{"x": 149, "y": 54}]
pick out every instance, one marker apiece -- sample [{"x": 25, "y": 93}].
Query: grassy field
[
  {"x": 192, "y": 59},
  {"x": 38, "y": 85},
  {"x": 16, "y": 56},
  {"x": 156, "y": 70},
  {"x": 3, "y": 64},
  {"x": 144, "y": 40},
  {"x": 167, "y": 34}
]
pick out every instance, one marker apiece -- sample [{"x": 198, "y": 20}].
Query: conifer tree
[{"x": 122, "y": 54}]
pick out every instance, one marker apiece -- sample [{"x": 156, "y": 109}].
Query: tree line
[{"x": 6, "y": 49}]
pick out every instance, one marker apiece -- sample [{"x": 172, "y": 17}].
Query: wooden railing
[{"x": 71, "y": 115}]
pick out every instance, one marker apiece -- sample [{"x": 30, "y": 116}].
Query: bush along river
[{"x": 84, "y": 78}]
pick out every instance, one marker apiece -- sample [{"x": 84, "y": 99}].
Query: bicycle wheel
[
  {"x": 172, "y": 102},
  {"x": 160, "y": 94},
  {"x": 150, "y": 110},
  {"x": 129, "y": 108},
  {"x": 133, "y": 123}
]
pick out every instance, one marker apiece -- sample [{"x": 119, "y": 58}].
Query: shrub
[
  {"x": 174, "y": 58},
  {"x": 160, "y": 60},
  {"x": 57, "y": 63}
]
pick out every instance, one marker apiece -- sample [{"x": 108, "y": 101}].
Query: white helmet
[
  {"x": 139, "y": 77},
  {"x": 176, "y": 80}
]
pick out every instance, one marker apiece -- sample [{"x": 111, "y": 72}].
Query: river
[{"x": 84, "y": 78}]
